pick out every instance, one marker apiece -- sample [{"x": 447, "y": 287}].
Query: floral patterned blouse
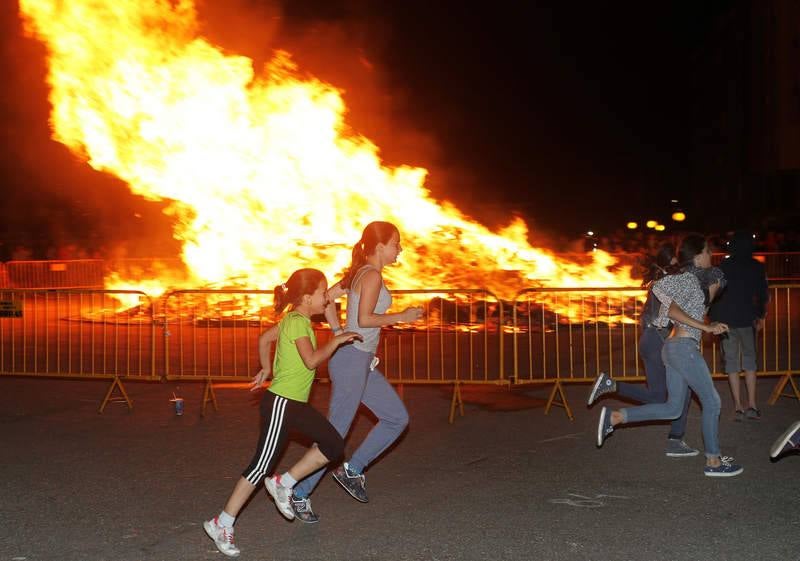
[{"x": 685, "y": 290}]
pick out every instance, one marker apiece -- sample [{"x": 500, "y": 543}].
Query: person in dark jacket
[{"x": 742, "y": 305}]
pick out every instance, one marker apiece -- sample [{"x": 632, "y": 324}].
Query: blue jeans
[
  {"x": 353, "y": 384},
  {"x": 650, "y": 345},
  {"x": 686, "y": 368}
]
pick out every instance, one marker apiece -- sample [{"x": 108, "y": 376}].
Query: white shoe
[
  {"x": 281, "y": 495},
  {"x": 785, "y": 442},
  {"x": 222, "y": 536}
]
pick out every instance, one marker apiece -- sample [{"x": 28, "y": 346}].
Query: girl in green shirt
[{"x": 284, "y": 406}]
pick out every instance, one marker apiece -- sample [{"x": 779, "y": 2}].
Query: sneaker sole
[
  {"x": 682, "y": 454},
  {"x": 349, "y": 492},
  {"x": 593, "y": 393},
  {"x": 289, "y": 513},
  {"x": 721, "y": 474},
  {"x": 600, "y": 427},
  {"x": 208, "y": 530},
  {"x": 783, "y": 440}
]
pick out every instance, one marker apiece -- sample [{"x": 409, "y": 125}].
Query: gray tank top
[{"x": 371, "y": 335}]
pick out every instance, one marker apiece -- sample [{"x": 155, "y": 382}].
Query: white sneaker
[
  {"x": 222, "y": 536},
  {"x": 281, "y": 495}
]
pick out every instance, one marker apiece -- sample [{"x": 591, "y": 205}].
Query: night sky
[{"x": 573, "y": 115}]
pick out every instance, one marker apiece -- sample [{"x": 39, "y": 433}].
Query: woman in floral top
[{"x": 684, "y": 301}]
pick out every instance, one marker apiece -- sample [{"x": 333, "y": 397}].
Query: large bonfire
[{"x": 261, "y": 171}]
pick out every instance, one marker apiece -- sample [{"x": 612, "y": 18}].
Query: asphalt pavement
[{"x": 504, "y": 482}]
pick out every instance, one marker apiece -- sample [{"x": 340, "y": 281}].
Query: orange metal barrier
[
  {"x": 77, "y": 334},
  {"x": 544, "y": 337},
  {"x": 571, "y": 335},
  {"x": 212, "y": 335},
  {"x": 459, "y": 341},
  {"x": 80, "y": 273}
]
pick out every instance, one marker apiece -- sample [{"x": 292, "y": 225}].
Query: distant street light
[
  {"x": 651, "y": 224},
  {"x": 660, "y": 227},
  {"x": 632, "y": 225},
  {"x": 678, "y": 216}
]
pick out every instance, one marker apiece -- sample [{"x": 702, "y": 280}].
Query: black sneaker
[
  {"x": 603, "y": 384},
  {"x": 753, "y": 414},
  {"x": 302, "y": 510},
  {"x": 353, "y": 483},
  {"x": 677, "y": 448},
  {"x": 604, "y": 427}
]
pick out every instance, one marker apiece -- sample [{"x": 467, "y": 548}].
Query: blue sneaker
[
  {"x": 604, "y": 427},
  {"x": 603, "y": 384},
  {"x": 726, "y": 468}
]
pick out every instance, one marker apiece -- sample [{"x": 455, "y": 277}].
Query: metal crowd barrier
[
  {"x": 459, "y": 341},
  {"x": 78, "y": 273},
  {"x": 545, "y": 336},
  {"x": 85, "y": 334},
  {"x": 563, "y": 336},
  {"x": 212, "y": 336}
]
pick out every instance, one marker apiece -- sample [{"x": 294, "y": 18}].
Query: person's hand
[
  {"x": 718, "y": 328},
  {"x": 411, "y": 314},
  {"x": 758, "y": 324},
  {"x": 347, "y": 337},
  {"x": 259, "y": 379}
]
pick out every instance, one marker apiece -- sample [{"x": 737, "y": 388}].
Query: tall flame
[{"x": 261, "y": 170}]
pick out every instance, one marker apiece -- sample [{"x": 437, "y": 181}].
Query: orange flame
[{"x": 261, "y": 170}]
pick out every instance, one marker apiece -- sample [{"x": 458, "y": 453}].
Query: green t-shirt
[{"x": 291, "y": 378}]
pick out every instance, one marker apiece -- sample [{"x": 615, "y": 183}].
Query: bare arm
[
  {"x": 331, "y": 315},
  {"x": 676, "y": 313},
  {"x": 314, "y": 357},
  {"x": 713, "y": 290},
  {"x": 265, "y": 341},
  {"x": 370, "y": 288}
]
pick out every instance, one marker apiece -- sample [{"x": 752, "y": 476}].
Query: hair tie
[{"x": 283, "y": 286}]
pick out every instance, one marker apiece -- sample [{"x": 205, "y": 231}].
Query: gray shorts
[{"x": 739, "y": 350}]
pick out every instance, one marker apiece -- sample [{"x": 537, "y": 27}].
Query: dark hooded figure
[{"x": 742, "y": 305}]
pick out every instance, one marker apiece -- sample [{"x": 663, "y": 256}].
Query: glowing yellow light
[
  {"x": 660, "y": 227},
  {"x": 632, "y": 225},
  {"x": 678, "y": 216},
  {"x": 651, "y": 223}
]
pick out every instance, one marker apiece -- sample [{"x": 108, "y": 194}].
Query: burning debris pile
[{"x": 262, "y": 173}]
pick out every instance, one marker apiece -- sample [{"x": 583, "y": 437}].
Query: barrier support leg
[
  {"x": 779, "y": 387},
  {"x": 208, "y": 395},
  {"x": 456, "y": 400},
  {"x": 557, "y": 389},
  {"x": 117, "y": 383}
]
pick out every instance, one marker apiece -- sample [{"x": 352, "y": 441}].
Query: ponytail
[
  {"x": 357, "y": 261},
  {"x": 659, "y": 265},
  {"x": 374, "y": 233},
  {"x": 300, "y": 283}
]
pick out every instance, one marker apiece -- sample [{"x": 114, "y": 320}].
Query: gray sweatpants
[{"x": 353, "y": 384}]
